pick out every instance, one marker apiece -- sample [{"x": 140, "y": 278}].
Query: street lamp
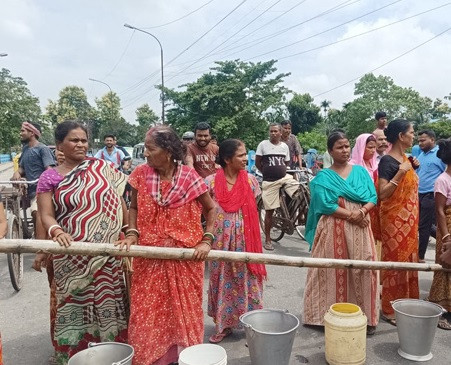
[
  {"x": 3, "y": 54},
  {"x": 161, "y": 61},
  {"x": 111, "y": 96}
]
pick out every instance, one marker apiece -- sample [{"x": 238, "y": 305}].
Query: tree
[
  {"x": 304, "y": 115},
  {"x": 16, "y": 105},
  {"x": 314, "y": 139},
  {"x": 233, "y": 98},
  {"x": 325, "y": 104},
  {"x": 146, "y": 118},
  {"x": 381, "y": 94}
]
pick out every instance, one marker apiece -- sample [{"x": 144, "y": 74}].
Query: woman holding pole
[
  {"x": 166, "y": 295},
  {"x": 235, "y": 288},
  {"x": 441, "y": 285},
  {"x": 80, "y": 200},
  {"x": 338, "y": 227},
  {"x": 398, "y": 194}
]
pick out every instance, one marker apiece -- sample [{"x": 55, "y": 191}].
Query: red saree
[{"x": 399, "y": 232}]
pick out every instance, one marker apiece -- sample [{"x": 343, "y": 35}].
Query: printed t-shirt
[
  {"x": 274, "y": 159},
  {"x": 204, "y": 159}
]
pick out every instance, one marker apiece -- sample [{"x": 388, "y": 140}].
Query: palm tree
[{"x": 325, "y": 104}]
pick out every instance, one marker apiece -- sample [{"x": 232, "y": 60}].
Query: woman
[
  {"x": 3, "y": 229},
  {"x": 338, "y": 226},
  {"x": 398, "y": 194},
  {"x": 235, "y": 288},
  {"x": 80, "y": 200},
  {"x": 441, "y": 285},
  {"x": 364, "y": 154},
  {"x": 166, "y": 295}
]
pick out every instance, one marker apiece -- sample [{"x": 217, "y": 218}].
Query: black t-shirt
[{"x": 388, "y": 167}]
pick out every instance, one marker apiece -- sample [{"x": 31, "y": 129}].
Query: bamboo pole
[{"x": 165, "y": 253}]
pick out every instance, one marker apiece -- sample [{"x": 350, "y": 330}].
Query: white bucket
[{"x": 203, "y": 354}]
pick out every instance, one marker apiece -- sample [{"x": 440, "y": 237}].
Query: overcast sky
[{"x": 53, "y": 44}]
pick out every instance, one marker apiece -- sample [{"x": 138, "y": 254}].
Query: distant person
[
  {"x": 214, "y": 139},
  {"x": 381, "y": 144},
  {"x": 441, "y": 285},
  {"x": 430, "y": 169},
  {"x": 381, "y": 121},
  {"x": 36, "y": 157},
  {"x": 110, "y": 153},
  {"x": 293, "y": 145},
  {"x": 398, "y": 194},
  {"x": 127, "y": 161},
  {"x": 272, "y": 158},
  {"x": 201, "y": 154},
  {"x": 187, "y": 138},
  {"x": 327, "y": 160}
]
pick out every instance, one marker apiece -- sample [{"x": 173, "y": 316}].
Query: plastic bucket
[
  {"x": 270, "y": 335},
  {"x": 203, "y": 354},
  {"x": 416, "y": 321},
  {"x": 104, "y": 353}
]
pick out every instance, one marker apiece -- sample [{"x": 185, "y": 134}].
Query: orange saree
[{"x": 399, "y": 232}]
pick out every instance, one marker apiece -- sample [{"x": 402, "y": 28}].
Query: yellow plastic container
[{"x": 345, "y": 334}]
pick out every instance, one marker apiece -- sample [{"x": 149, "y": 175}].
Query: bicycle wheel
[
  {"x": 15, "y": 260},
  {"x": 301, "y": 208},
  {"x": 276, "y": 233}
]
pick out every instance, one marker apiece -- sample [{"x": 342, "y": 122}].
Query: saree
[
  {"x": 91, "y": 304},
  {"x": 441, "y": 284},
  {"x": 166, "y": 295},
  {"x": 399, "y": 232},
  {"x": 337, "y": 238}
]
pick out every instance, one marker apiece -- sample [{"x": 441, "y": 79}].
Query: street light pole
[
  {"x": 111, "y": 96},
  {"x": 3, "y": 54},
  {"x": 161, "y": 62}
]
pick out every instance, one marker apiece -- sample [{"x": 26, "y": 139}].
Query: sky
[{"x": 326, "y": 45}]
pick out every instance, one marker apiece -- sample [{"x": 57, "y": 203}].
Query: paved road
[{"x": 25, "y": 329}]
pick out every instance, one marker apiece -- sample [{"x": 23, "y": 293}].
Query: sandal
[
  {"x": 218, "y": 337},
  {"x": 444, "y": 324},
  {"x": 268, "y": 246},
  {"x": 392, "y": 321},
  {"x": 370, "y": 330}
]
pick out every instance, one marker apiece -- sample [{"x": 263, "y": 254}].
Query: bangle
[
  {"x": 207, "y": 242},
  {"x": 446, "y": 235},
  {"x": 208, "y": 234},
  {"x": 132, "y": 231},
  {"x": 361, "y": 211},
  {"x": 130, "y": 234},
  {"x": 51, "y": 228},
  {"x": 394, "y": 182}
]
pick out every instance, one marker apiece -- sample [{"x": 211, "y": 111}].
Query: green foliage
[
  {"x": 304, "y": 115},
  {"x": 441, "y": 128},
  {"x": 233, "y": 98},
  {"x": 381, "y": 93},
  {"x": 16, "y": 105},
  {"x": 313, "y": 139},
  {"x": 125, "y": 132},
  {"x": 146, "y": 118}
]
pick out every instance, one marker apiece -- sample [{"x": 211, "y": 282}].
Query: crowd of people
[{"x": 372, "y": 203}]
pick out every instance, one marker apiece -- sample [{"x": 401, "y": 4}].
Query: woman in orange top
[
  {"x": 166, "y": 295},
  {"x": 398, "y": 193}
]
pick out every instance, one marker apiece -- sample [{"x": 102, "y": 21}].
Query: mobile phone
[{"x": 411, "y": 162}]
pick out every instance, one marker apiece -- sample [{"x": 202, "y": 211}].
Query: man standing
[
  {"x": 430, "y": 168},
  {"x": 36, "y": 157},
  {"x": 293, "y": 145},
  {"x": 381, "y": 120},
  {"x": 272, "y": 158},
  {"x": 201, "y": 154},
  {"x": 381, "y": 143},
  {"x": 110, "y": 153}
]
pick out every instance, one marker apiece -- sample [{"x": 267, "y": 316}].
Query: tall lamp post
[
  {"x": 161, "y": 62},
  {"x": 111, "y": 96},
  {"x": 3, "y": 54}
]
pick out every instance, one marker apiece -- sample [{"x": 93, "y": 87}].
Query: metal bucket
[
  {"x": 104, "y": 353},
  {"x": 416, "y": 321},
  {"x": 270, "y": 335}
]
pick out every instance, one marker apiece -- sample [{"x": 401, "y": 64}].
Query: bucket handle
[
  {"x": 248, "y": 326},
  {"x": 94, "y": 344},
  {"x": 438, "y": 305}
]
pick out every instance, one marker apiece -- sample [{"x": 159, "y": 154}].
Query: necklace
[{"x": 228, "y": 182}]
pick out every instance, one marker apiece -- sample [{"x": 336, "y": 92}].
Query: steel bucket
[
  {"x": 416, "y": 321},
  {"x": 270, "y": 335},
  {"x": 104, "y": 353}
]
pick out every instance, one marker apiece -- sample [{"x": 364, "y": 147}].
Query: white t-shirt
[{"x": 274, "y": 159}]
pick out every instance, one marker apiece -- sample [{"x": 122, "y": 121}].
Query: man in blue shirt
[
  {"x": 430, "y": 168},
  {"x": 110, "y": 153}
]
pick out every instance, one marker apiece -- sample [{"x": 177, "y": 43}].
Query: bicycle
[
  {"x": 292, "y": 214},
  {"x": 19, "y": 226}
]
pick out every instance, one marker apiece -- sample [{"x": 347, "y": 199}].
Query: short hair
[
  {"x": 227, "y": 150},
  {"x": 109, "y": 136},
  {"x": 166, "y": 138},
  {"x": 214, "y": 136},
  {"x": 394, "y": 128},
  {"x": 285, "y": 122},
  {"x": 430, "y": 133},
  {"x": 380, "y": 115},
  {"x": 63, "y": 129},
  {"x": 202, "y": 126},
  {"x": 334, "y": 137},
  {"x": 275, "y": 125},
  {"x": 444, "y": 150}
]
